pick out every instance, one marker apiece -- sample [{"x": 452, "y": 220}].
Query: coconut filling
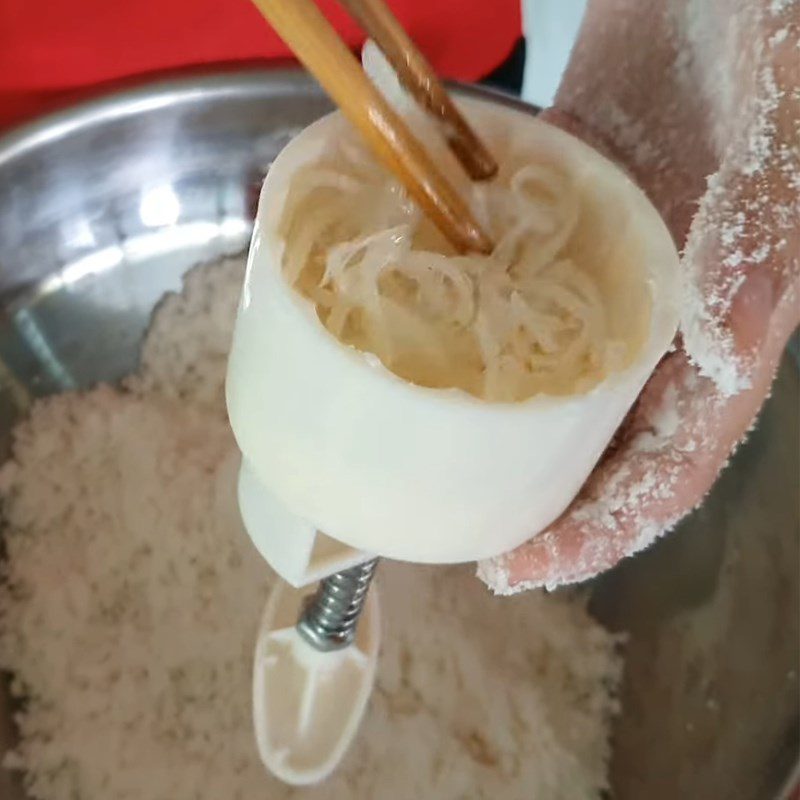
[{"x": 560, "y": 304}]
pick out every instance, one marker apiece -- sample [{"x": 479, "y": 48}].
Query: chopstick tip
[{"x": 475, "y": 239}]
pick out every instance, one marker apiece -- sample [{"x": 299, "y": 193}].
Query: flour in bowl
[{"x": 131, "y": 598}]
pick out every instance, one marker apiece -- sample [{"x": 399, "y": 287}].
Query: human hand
[{"x": 700, "y": 100}]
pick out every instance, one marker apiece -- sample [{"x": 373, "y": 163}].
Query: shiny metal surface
[
  {"x": 330, "y": 619},
  {"x": 101, "y": 210}
]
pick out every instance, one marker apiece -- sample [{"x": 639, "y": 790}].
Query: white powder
[
  {"x": 185, "y": 353},
  {"x": 132, "y": 598},
  {"x": 778, "y": 7},
  {"x": 740, "y": 221}
]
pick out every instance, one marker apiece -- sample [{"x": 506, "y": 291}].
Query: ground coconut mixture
[{"x": 131, "y": 597}]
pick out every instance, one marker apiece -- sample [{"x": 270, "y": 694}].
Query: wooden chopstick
[
  {"x": 418, "y": 78},
  {"x": 315, "y": 42}
]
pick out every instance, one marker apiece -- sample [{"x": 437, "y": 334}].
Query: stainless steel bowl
[{"x": 104, "y": 206}]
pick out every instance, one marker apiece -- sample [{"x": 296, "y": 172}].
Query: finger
[
  {"x": 678, "y": 438},
  {"x": 743, "y": 248},
  {"x": 628, "y": 500}
]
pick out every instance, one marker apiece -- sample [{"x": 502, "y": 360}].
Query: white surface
[
  {"x": 294, "y": 548},
  {"x": 307, "y": 705},
  {"x": 550, "y": 28},
  {"x": 403, "y": 471}
]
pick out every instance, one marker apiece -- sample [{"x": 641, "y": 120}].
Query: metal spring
[{"x": 330, "y": 618}]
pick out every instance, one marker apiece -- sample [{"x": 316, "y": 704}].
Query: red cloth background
[{"x": 50, "y": 49}]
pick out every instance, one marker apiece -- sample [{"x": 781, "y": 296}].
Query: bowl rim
[{"x": 138, "y": 94}]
